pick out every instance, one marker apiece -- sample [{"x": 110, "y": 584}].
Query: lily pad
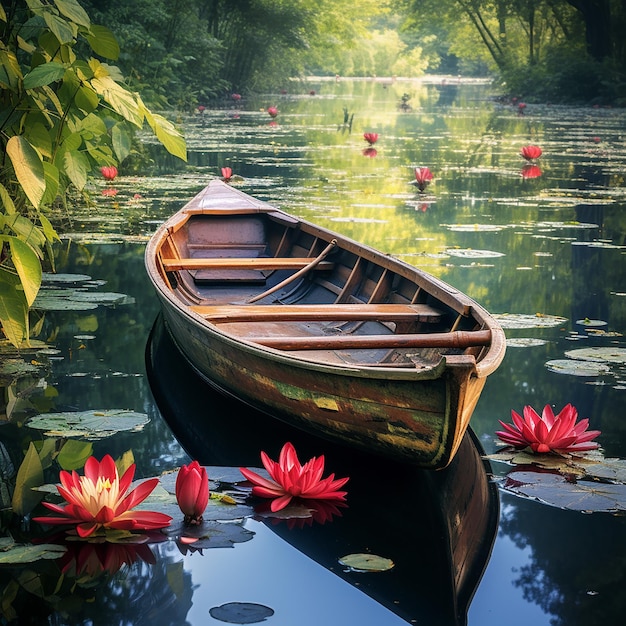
[
  {"x": 209, "y": 534},
  {"x": 559, "y": 491},
  {"x": 577, "y": 368},
  {"x": 599, "y": 354},
  {"x": 361, "y": 562},
  {"x": 94, "y": 424},
  {"x": 64, "y": 279},
  {"x": 469, "y": 253},
  {"x": 241, "y": 613},
  {"x": 520, "y": 320},
  {"x": 13, "y": 553},
  {"x": 524, "y": 342}
]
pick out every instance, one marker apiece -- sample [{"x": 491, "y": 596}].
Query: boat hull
[{"x": 417, "y": 421}]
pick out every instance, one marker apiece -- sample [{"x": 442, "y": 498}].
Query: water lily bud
[{"x": 192, "y": 491}]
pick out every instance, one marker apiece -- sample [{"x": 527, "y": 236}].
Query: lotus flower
[
  {"x": 201, "y": 108},
  {"x": 423, "y": 176},
  {"x": 531, "y": 171},
  {"x": 236, "y": 97},
  {"x": 101, "y": 499},
  {"x": 530, "y": 153},
  {"x": 227, "y": 174},
  {"x": 272, "y": 111},
  {"x": 291, "y": 480},
  {"x": 109, "y": 172},
  {"x": 371, "y": 138},
  {"x": 549, "y": 433},
  {"x": 192, "y": 491}
]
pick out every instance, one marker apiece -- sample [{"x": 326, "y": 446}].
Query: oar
[
  {"x": 457, "y": 339},
  {"x": 323, "y": 254}
]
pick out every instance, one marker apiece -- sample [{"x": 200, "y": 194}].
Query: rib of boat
[{"x": 321, "y": 331}]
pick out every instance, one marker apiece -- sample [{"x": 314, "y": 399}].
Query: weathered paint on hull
[{"x": 417, "y": 421}]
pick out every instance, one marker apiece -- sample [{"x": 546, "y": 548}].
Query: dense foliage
[{"x": 64, "y": 112}]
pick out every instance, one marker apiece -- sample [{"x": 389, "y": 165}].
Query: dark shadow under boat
[{"x": 438, "y": 527}]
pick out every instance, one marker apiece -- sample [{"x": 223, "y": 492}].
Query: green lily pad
[
  {"x": 14, "y": 553},
  {"x": 361, "y": 562},
  {"x": 557, "y": 490},
  {"x": 94, "y": 424},
  {"x": 524, "y": 342},
  {"x": 520, "y": 320},
  {"x": 241, "y": 613},
  {"x": 469, "y": 253},
  {"x": 64, "y": 279},
  {"x": 577, "y": 368},
  {"x": 609, "y": 354}
]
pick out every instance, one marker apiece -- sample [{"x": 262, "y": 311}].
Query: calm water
[{"x": 545, "y": 253}]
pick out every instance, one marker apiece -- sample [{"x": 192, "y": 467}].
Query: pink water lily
[
  {"x": 548, "y": 432},
  {"x": 227, "y": 174},
  {"x": 371, "y": 138},
  {"x": 423, "y": 176},
  {"x": 109, "y": 172},
  {"x": 289, "y": 479},
  {"x": 272, "y": 111},
  {"x": 192, "y": 491},
  {"x": 530, "y": 153},
  {"x": 101, "y": 499}
]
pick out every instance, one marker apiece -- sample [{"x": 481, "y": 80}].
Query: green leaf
[
  {"x": 26, "y": 230},
  {"x": 7, "y": 201},
  {"x": 120, "y": 99},
  {"x": 52, "y": 183},
  {"x": 74, "y": 454},
  {"x": 29, "y": 475},
  {"x": 44, "y": 74},
  {"x": 103, "y": 42},
  {"x": 76, "y": 167},
  {"x": 39, "y": 137},
  {"x": 28, "y": 168},
  {"x": 3, "y": 15},
  {"x": 73, "y": 11},
  {"x": 86, "y": 99},
  {"x": 28, "y": 267},
  {"x": 60, "y": 28},
  {"x": 13, "y": 311},
  {"x": 167, "y": 134},
  {"x": 122, "y": 141},
  {"x": 48, "y": 230}
]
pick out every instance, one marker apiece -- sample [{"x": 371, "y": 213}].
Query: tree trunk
[{"x": 597, "y": 17}]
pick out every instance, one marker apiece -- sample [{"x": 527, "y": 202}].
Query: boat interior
[{"x": 271, "y": 279}]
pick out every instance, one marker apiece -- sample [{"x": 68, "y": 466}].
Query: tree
[{"x": 63, "y": 113}]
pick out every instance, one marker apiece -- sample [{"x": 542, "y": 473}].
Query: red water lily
[
  {"x": 423, "y": 176},
  {"x": 192, "y": 491},
  {"x": 227, "y": 174},
  {"x": 371, "y": 138},
  {"x": 290, "y": 479},
  {"x": 549, "y": 433},
  {"x": 109, "y": 172},
  {"x": 272, "y": 111},
  {"x": 236, "y": 97},
  {"x": 101, "y": 499},
  {"x": 370, "y": 152},
  {"x": 530, "y": 153}
]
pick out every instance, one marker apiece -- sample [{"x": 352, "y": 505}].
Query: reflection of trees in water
[{"x": 577, "y": 565}]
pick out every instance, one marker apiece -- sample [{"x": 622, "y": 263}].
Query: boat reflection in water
[{"x": 438, "y": 527}]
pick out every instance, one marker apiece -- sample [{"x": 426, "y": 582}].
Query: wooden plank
[
  {"x": 321, "y": 312},
  {"x": 458, "y": 339},
  {"x": 257, "y": 263}
]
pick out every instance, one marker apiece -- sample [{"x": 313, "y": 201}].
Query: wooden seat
[
  {"x": 319, "y": 312},
  {"x": 235, "y": 263}
]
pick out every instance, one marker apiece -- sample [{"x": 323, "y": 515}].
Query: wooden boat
[
  {"x": 320, "y": 331},
  {"x": 437, "y": 527}
]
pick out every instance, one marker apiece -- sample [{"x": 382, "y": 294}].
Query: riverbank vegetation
[{"x": 188, "y": 52}]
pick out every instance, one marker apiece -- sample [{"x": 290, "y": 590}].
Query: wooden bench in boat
[
  {"x": 319, "y": 312},
  {"x": 236, "y": 263},
  {"x": 456, "y": 339}
]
